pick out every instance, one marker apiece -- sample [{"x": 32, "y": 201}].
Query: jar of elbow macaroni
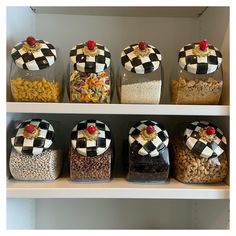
[{"x": 34, "y": 75}]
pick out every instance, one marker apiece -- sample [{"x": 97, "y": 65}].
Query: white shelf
[
  {"x": 123, "y": 11},
  {"x": 117, "y": 188},
  {"x": 129, "y": 109}
]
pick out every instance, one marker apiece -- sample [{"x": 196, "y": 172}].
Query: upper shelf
[
  {"x": 123, "y": 11},
  {"x": 116, "y": 188},
  {"x": 129, "y": 109}
]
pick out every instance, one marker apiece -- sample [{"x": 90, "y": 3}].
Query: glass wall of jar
[
  {"x": 91, "y": 153},
  {"x": 199, "y": 154},
  {"x": 35, "y": 75},
  {"x": 90, "y": 73},
  {"x": 198, "y": 78},
  {"x": 148, "y": 152},
  {"x": 140, "y": 75},
  {"x": 33, "y": 156}
]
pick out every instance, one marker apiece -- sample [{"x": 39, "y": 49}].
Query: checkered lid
[
  {"x": 196, "y": 64},
  {"x": 44, "y": 57},
  {"x": 87, "y": 147},
  {"x": 87, "y": 63},
  {"x": 140, "y": 64},
  {"x": 35, "y": 145},
  {"x": 144, "y": 147},
  {"x": 195, "y": 141}
]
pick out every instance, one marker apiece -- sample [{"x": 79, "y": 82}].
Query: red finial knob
[
  {"x": 210, "y": 130},
  {"x": 31, "y": 41},
  {"x": 142, "y": 45},
  {"x": 30, "y": 128},
  {"x": 150, "y": 129},
  {"x": 91, "y": 44},
  {"x": 91, "y": 129},
  {"x": 203, "y": 45}
]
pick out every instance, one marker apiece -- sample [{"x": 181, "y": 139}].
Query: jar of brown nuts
[
  {"x": 199, "y": 155},
  {"x": 35, "y": 75},
  {"x": 90, "y": 156}
]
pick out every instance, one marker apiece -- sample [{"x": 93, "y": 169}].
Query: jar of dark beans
[
  {"x": 33, "y": 156},
  {"x": 90, "y": 153},
  {"x": 148, "y": 152}
]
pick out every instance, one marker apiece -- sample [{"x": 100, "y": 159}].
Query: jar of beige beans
[
  {"x": 91, "y": 153},
  {"x": 140, "y": 76},
  {"x": 200, "y": 154},
  {"x": 33, "y": 155},
  {"x": 198, "y": 77},
  {"x": 36, "y": 74}
]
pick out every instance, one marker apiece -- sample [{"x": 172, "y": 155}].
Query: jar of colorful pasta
[
  {"x": 35, "y": 75},
  {"x": 90, "y": 74}
]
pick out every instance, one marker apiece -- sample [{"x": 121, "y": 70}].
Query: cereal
[
  {"x": 24, "y": 90},
  {"x": 190, "y": 168},
  {"x": 45, "y": 166},
  {"x": 90, "y": 168},
  {"x": 196, "y": 91}
]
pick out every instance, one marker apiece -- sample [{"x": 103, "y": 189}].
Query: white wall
[
  {"x": 214, "y": 26},
  {"x": 20, "y": 24}
]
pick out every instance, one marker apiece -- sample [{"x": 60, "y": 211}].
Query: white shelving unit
[
  {"x": 197, "y": 203},
  {"x": 119, "y": 109},
  {"x": 117, "y": 188}
]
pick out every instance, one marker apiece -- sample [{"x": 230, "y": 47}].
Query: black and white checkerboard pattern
[
  {"x": 94, "y": 147},
  {"x": 37, "y": 145},
  {"x": 43, "y": 58},
  {"x": 201, "y": 147},
  {"x": 140, "y": 65},
  {"x": 199, "y": 65},
  {"x": 144, "y": 147},
  {"x": 90, "y": 64}
]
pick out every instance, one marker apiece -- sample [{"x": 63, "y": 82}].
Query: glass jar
[
  {"x": 140, "y": 75},
  {"x": 199, "y": 78},
  {"x": 90, "y": 77},
  {"x": 200, "y": 154},
  {"x": 90, "y": 152},
  {"x": 34, "y": 75},
  {"x": 148, "y": 152},
  {"x": 33, "y": 156}
]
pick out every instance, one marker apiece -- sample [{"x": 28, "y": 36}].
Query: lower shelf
[{"x": 116, "y": 188}]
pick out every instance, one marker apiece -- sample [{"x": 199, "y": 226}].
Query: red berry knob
[
  {"x": 142, "y": 45},
  {"x": 91, "y": 129},
  {"x": 210, "y": 130},
  {"x": 31, "y": 41},
  {"x": 203, "y": 45},
  {"x": 91, "y": 44},
  {"x": 30, "y": 128},
  {"x": 150, "y": 129}
]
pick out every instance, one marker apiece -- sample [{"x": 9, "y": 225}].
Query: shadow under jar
[
  {"x": 140, "y": 75},
  {"x": 90, "y": 73},
  {"x": 35, "y": 75},
  {"x": 32, "y": 157},
  {"x": 148, "y": 152},
  {"x": 199, "y": 155},
  {"x": 198, "y": 78},
  {"x": 91, "y": 152}
]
